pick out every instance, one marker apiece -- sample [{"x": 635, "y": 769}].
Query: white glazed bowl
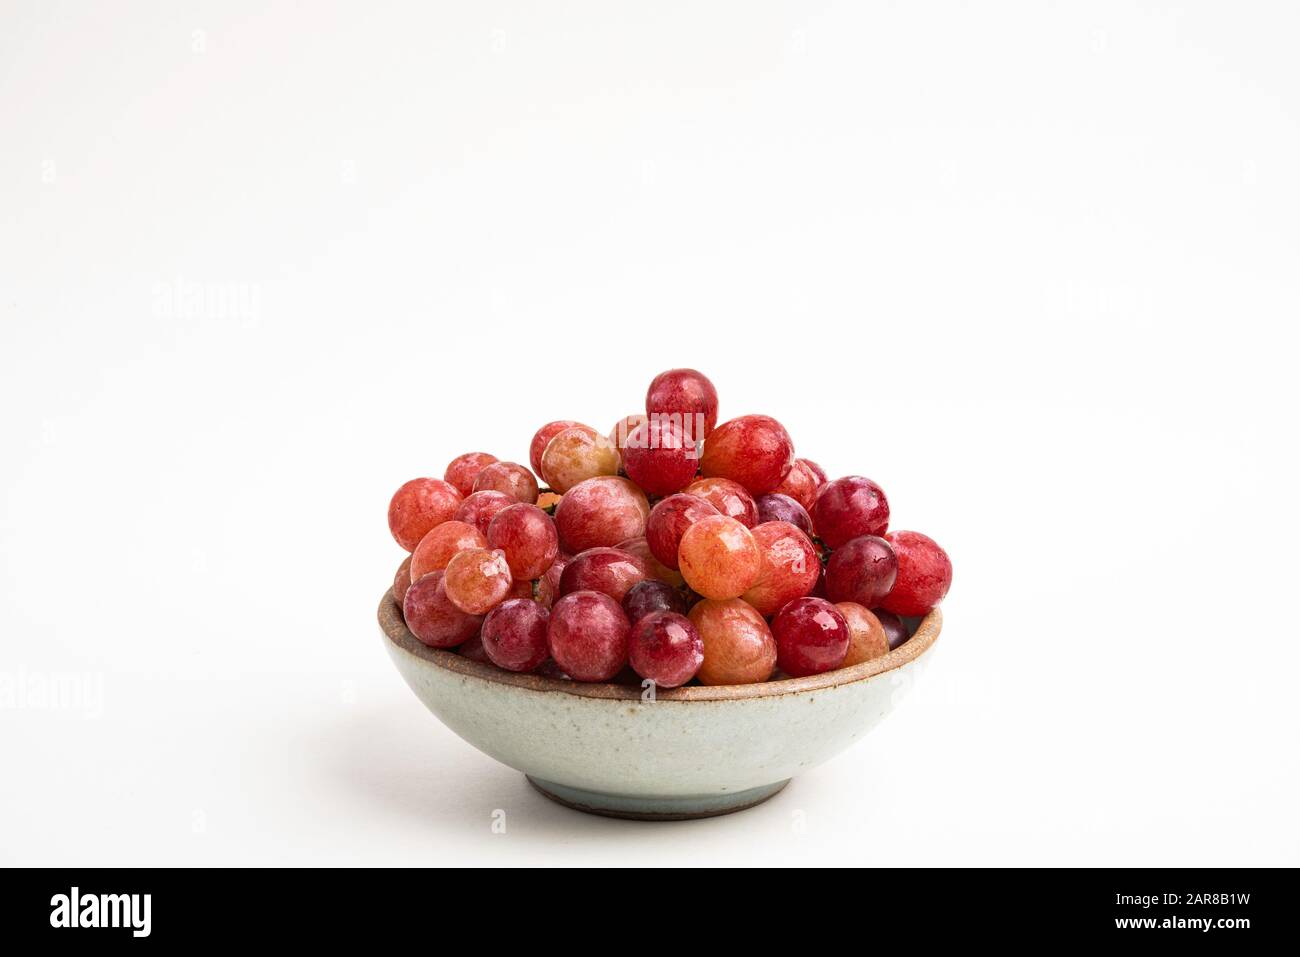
[{"x": 691, "y": 752}]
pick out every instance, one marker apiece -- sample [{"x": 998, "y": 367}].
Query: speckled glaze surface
[{"x": 690, "y": 752}]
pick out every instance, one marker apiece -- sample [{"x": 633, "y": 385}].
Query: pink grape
[
  {"x": 849, "y": 507},
  {"x": 728, "y": 497},
  {"x": 754, "y": 450},
  {"x": 668, "y": 522},
  {"x": 509, "y": 478},
  {"x": 514, "y": 635},
  {"x": 435, "y": 549},
  {"x": 528, "y": 537},
  {"x": 477, "y": 580},
  {"x": 543, "y": 437},
  {"x": 867, "y": 638},
  {"x": 418, "y": 506},
  {"x": 687, "y": 394},
  {"x": 665, "y": 647},
  {"x": 588, "y": 636},
  {"x": 575, "y": 455},
  {"x": 660, "y": 458},
  {"x": 861, "y": 570},
  {"x": 719, "y": 558},
  {"x": 738, "y": 645},
  {"x": 811, "y": 637},
  {"x": 465, "y": 468},
  {"x": 641, "y": 549},
  {"x": 433, "y": 618},
  {"x": 790, "y": 567},
  {"x": 481, "y": 507},
  {"x": 601, "y": 511}
]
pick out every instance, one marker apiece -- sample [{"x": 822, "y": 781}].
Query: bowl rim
[{"x": 396, "y": 632}]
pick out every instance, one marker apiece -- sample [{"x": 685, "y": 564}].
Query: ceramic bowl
[{"x": 688, "y": 752}]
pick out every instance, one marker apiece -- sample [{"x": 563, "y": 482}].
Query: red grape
[
  {"x": 528, "y": 537},
  {"x": 543, "y": 437},
  {"x": 894, "y": 628},
  {"x": 867, "y": 638},
  {"x": 465, "y": 468},
  {"x": 435, "y": 549},
  {"x": 849, "y": 507},
  {"x": 609, "y": 571},
  {"x": 811, "y": 637},
  {"x": 728, "y": 497},
  {"x": 687, "y": 394},
  {"x": 668, "y": 522},
  {"x": 402, "y": 580},
  {"x": 818, "y": 472},
  {"x": 861, "y": 570},
  {"x": 738, "y": 645},
  {"x": 510, "y": 478},
  {"x": 660, "y": 458},
  {"x": 431, "y": 616},
  {"x": 576, "y": 455},
  {"x": 514, "y": 635},
  {"x": 418, "y": 506},
  {"x": 790, "y": 567},
  {"x": 477, "y": 580},
  {"x": 924, "y": 574},
  {"x": 754, "y": 450},
  {"x": 601, "y": 511},
  {"x": 801, "y": 483},
  {"x": 481, "y": 507},
  {"x": 649, "y": 596},
  {"x": 719, "y": 557},
  {"x": 665, "y": 647},
  {"x": 776, "y": 507},
  {"x": 588, "y": 636}
]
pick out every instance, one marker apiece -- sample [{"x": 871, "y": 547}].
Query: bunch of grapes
[{"x": 671, "y": 548}]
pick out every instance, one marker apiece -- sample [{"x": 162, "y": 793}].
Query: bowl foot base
[{"x": 655, "y": 808}]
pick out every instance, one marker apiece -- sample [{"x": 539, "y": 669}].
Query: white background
[{"x": 1032, "y": 267}]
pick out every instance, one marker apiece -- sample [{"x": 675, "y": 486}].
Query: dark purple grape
[
  {"x": 895, "y": 630},
  {"x": 775, "y": 507},
  {"x": 649, "y": 596}
]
